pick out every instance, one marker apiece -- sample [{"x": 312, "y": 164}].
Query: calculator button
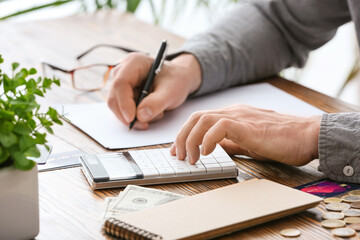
[
  {"x": 138, "y": 155},
  {"x": 166, "y": 171},
  {"x": 152, "y": 153},
  {"x": 205, "y": 157},
  {"x": 145, "y": 166},
  {"x": 150, "y": 172},
  {"x": 228, "y": 166},
  {"x": 224, "y": 159},
  {"x": 178, "y": 163},
  {"x": 142, "y": 161},
  {"x": 208, "y": 160},
  {"x": 196, "y": 169},
  {"x": 161, "y": 164},
  {"x": 213, "y": 168},
  {"x": 182, "y": 170}
]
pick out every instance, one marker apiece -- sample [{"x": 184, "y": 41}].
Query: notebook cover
[{"x": 222, "y": 210}]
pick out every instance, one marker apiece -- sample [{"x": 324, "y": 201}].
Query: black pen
[{"x": 155, "y": 69}]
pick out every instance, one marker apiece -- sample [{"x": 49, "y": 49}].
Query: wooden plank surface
[{"x": 69, "y": 209}]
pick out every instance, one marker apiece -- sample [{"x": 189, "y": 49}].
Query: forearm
[{"x": 339, "y": 146}]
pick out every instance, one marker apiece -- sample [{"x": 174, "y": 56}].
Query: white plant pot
[{"x": 19, "y": 204}]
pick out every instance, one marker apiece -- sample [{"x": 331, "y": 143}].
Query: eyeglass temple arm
[
  {"x": 55, "y": 67},
  {"x": 106, "y": 45}
]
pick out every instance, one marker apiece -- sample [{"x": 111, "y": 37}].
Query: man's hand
[
  {"x": 177, "y": 79},
  {"x": 260, "y": 134}
]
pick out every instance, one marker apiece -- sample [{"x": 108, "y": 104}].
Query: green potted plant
[{"x": 21, "y": 124}]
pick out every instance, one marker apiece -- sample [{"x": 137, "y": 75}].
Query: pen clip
[{"x": 162, "y": 60}]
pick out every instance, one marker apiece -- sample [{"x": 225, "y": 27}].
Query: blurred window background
[{"x": 332, "y": 69}]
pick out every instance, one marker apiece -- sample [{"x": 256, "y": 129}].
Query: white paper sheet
[{"x": 98, "y": 121}]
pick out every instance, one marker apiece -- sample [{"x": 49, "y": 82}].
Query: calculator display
[{"x": 108, "y": 167}]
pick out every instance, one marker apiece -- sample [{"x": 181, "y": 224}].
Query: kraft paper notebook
[{"x": 213, "y": 213}]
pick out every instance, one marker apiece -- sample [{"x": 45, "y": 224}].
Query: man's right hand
[{"x": 177, "y": 79}]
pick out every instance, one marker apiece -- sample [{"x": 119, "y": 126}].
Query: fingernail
[
  {"x": 190, "y": 159},
  {"x": 126, "y": 115},
  {"x": 145, "y": 114}
]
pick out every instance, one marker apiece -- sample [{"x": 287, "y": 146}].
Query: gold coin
[
  {"x": 290, "y": 232},
  {"x": 351, "y": 212},
  {"x": 333, "y": 223},
  {"x": 352, "y": 220},
  {"x": 333, "y": 215},
  {"x": 351, "y": 198},
  {"x": 343, "y": 232},
  {"x": 337, "y": 207},
  {"x": 354, "y": 192},
  {"x": 355, "y": 226},
  {"x": 355, "y": 205},
  {"x": 332, "y": 200}
]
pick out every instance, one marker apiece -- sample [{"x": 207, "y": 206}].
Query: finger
[
  {"x": 180, "y": 141},
  {"x": 125, "y": 101},
  {"x": 224, "y": 128},
  {"x": 158, "y": 117},
  {"x": 113, "y": 105},
  {"x": 132, "y": 71},
  {"x": 141, "y": 126},
  {"x": 155, "y": 103},
  {"x": 197, "y": 133}
]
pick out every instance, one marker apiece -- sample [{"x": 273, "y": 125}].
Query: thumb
[{"x": 151, "y": 106}]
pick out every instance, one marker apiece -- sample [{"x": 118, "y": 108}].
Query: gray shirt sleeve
[{"x": 259, "y": 38}]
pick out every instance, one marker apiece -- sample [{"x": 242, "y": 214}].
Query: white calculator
[{"x": 153, "y": 166}]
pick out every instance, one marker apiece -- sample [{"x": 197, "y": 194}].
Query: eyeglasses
[{"x": 90, "y": 77}]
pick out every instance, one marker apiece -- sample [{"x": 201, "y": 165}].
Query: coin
[
  {"x": 332, "y": 200},
  {"x": 355, "y": 226},
  {"x": 352, "y": 220},
  {"x": 343, "y": 232},
  {"x": 351, "y": 212},
  {"x": 338, "y": 207},
  {"x": 333, "y": 223},
  {"x": 290, "y": 232},
  {"x": 351, "y": 198},
  {"x": 333, "y": 215},
  {"x": 355, "y": 205},
  {"x": 354, "y": 192}
]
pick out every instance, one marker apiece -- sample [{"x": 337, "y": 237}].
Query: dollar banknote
[{"x": 135, "y": 198}]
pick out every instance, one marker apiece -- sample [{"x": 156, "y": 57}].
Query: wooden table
[{"x": 69, "y": 209}]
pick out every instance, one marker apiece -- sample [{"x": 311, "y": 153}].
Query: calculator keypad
[{"x": 160, "y": 163}]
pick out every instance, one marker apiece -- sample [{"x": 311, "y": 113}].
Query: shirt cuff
[{"x": 339, "y": 146}]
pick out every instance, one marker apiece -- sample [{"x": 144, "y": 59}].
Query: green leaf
[
  {"x": 8, "y": 139},
  {"x": 32, "y": 152},
  {"x": 131, "y": 5},
  {"x": 37, "y": 7},
  {"x": 7, "y": 127},
  {"x": 22, "y": 128},
  {"x": 49, "y": 129},
  {"x": 22, "y": 162},
  {"x": 39, "y": 92},
  {"x": 1, "y": 59},
  {"x": 40, "y": 138},
  {"x": 56, "y": 81},
  {"x": 4, "y": 155},
  {"x": 8, "y": 115},
  {"x": 15, "y": 65},
  {"x": 32, "y": 71},
  {"x": 26, "y": 142}
]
